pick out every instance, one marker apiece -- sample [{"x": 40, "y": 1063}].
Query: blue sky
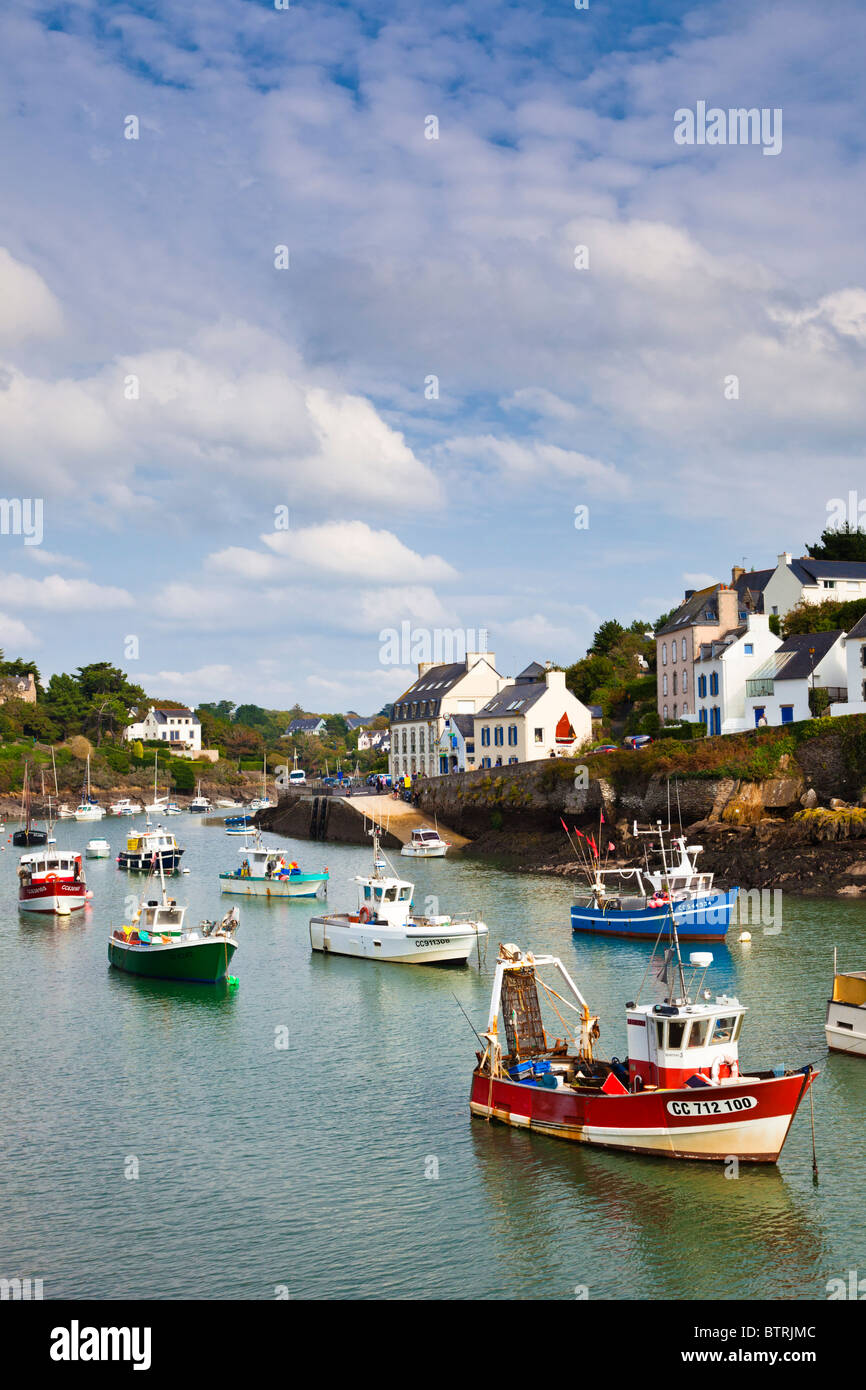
[{"x": 261, "y": 388}]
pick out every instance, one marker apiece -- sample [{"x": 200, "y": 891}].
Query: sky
[{"x": 297, "y": 346}]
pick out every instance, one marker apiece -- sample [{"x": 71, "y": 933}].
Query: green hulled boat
[{"x": 159, "y": 945}]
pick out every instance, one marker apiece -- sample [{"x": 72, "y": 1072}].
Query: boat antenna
[
  {"x": 679, "y": 811},
  {"x": 468, "y": 1020}
]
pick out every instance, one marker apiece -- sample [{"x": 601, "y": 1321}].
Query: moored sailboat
[{"x": 27, "y": 833}]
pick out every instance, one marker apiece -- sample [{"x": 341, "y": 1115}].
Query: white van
[{"x": 297, "y": 778}]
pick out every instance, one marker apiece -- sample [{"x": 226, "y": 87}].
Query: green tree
[
  {"x": 845, "y": 542},
  {"x": 828, "y": 616},
  {"x": 606, "y": 637}
]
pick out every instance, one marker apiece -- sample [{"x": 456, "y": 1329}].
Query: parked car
[
  {"x": 330, "y": 782},
  {"x": 297, "y": 778},
  {"x": 605, "y": 748},
  {"x": 637, "y": 741}
]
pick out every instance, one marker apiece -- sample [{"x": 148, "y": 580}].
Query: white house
[
  {"x": 722, "y": 668},
  {"x": 536, "y": 716},
  {"x": 778, "y": 693},
  {"x": 855, "y": 666},
  {"x": 166, "y": 724},
  {"x": 805, "y": 580},
  {"x": 418, "y": 715},
  {"x": 379, "y": 739}
]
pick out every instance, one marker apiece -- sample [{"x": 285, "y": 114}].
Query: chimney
[
  {"x": 737, "y": 572},
  {"x": 785, "y": 557},
  {"x": 690, "y": 593},
  {"x": 555, "y": 680},
  {"x": 424, "y": 667}
]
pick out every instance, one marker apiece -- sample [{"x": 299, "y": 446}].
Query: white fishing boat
[
  {"x": 426, "y": 843},
  {"x": 97, "y": 849},
  {"x": 65, "y": 812},
  {"x": 266, "y": 872},
  {"x": 846, "y": 1012},
  {"x": 125, "y": 807},
  {"x": 149, "y": 849},
  {"x": 227, "y": 803},
  {"x": 87, "y": 808},
  {"x": 384, "y": 925},
  {"x": 172, "y": 809}
]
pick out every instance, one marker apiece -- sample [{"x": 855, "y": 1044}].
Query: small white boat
[
  {"x": 125, "y": 807},
  {"x": 199, "y": 806},
  {"x": 259, "y": 803},
  {"x": 846, "y": 1012},
  {"x": 97, "y": 849},
  {"x": 425, "y": 843},
  {"x": 65, "y": 812},
  {"x": 87, "y": 808},
  {"x": 385, "y": 927},
  {"x": 226, "y": 803},
  {"x": 172, "y": 809}
]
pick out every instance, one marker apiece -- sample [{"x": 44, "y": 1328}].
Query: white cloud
[
  {"x": 60, "y": 595},
  {"x": 522, "y": 462},
  {"x": 14, "y": 633},
  {"x": 28, "y": 309}
]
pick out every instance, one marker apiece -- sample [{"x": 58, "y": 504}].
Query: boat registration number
[
  {"x": 729, "y": 1106},
  {"x": 433, "y": 941}
]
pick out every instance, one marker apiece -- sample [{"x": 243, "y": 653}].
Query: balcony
[{"x": 760, "y": 687}]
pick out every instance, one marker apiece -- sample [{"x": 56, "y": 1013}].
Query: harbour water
[{"x": 345, "y": 1164}]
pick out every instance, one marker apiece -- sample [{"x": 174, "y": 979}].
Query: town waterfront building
[
  {"x": 855, "y": 667},
  {"x": 535, "y": 716},
  {"x": 722, "y": 669},
  {"x": 778, "y": 693},
  {"x": 704, "y": 616},
  {"x": 419, "y": 714},
  {"x": 805, "y": 580}
]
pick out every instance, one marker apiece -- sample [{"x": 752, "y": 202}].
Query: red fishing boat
[
  {"x": 51, "y": 881},
  {"x": 680, "y": 1094}
]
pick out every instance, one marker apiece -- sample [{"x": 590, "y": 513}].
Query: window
[
  {"x": 749, "y": 649},
  {"x": 676, "y": 1029},
  {"x": 675, "y": 710},
  {"x": 512, "y": 760},
  {"x": 665, "y": 683},
  {"x": 776, "y": 609},
  {"x": 702, "y": 687},
  {"x": 684, "y": 649},
  {"x": 685, "y": 709},
  {"x": 675, "y": 682},
  {"x": 787, "y": 714},
  {"x": 485, "y": 736},
  {"x": 685, "y": 681},
  {"x": 715, "y": 720},
  {"x": 863, "y": 653},
  {"x": 698, "y": 1035},
  {"x": 499, "y": 735},
  {"x": 723, "y": 1030},
  {"x": 703, "y": 716},
  {"x": 660, "y": 1034},
  {"x": 828, "y": 583},
  {"x": 512, "y": 735},
  {"x": 539, "y": 735},
  {"x": 665, "y": 712},
  {"x": 664, "y": 653},
  {"x": 714, "y": 682}
]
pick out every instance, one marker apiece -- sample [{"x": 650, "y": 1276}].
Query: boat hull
[
  {"x": 704, "y": 918},
  {"x": 23, "y": 838},
  {"x": 204, "y": 962},
  {"x": 447, "y": 946},
  {"x": 58, "y": 897},
  {"x": 748, "y": 1120},
  {"x": 143, "y": 863},
  {"x": 437, "y": 852},
  {"x": 845, "y": 1028},
  {"x": 295, "y": 886}
]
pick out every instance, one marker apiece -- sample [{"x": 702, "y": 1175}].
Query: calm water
[{"x": 305, "y": 1167}]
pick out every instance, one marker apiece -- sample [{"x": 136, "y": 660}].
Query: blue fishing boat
[{"x": 639, "y": 902}]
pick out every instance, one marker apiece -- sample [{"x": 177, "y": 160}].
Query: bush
[{"x": 182, "y": 775}]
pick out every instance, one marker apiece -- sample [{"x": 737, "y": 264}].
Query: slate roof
[
  {"x": 792, "y": 660},
  {"x": 859, "y": 628},
  {"x": 514, "y": 699},
  {"x": 532, "y": 672},
  {"x": 692, "y": 611},
  {"x": 162, "y": 712},
  {"x": 305, "y": 726},
  {"x": 752, "y": 585}
]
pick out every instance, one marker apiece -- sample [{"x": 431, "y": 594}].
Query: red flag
[
  {"x": 601, "y": 817},
  {"x": 579, "y": 832},
  {"x": 611, "y": 849},
  {"x": 593, "y": 846},
  {"x": 563, "y": 824}
]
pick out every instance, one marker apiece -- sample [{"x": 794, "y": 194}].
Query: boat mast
[{"x": 674, "y": 933}]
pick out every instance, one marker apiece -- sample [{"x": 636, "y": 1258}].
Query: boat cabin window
[
  {"x": 390, "y": 895},
  {"x": 404, "y": 895},
  {"x": 368, "y": 893},
  {"x": 676, "y": 1033},
  {"x": 725, "y": 1030},
  {"x": 698, "y": 1035},
  {"x": 660, "y": 1034},
  {"x": 378, "y": 895}
]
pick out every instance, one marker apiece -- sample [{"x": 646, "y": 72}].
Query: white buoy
[{"x": 744, "y": 936}]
